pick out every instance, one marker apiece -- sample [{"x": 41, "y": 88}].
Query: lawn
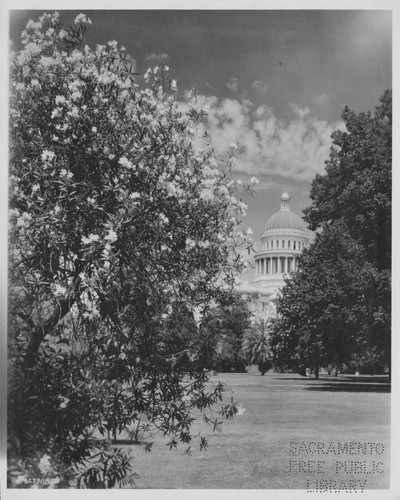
[{"x": 283, "y": 438}]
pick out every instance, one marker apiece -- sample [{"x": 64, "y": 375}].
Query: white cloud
[
  {"x": 297, "y": 110},
  {"x": 233, "y": 85},
  {"x": 294, "y": 148},
  {"x": 259, "y": 86},
  {"x": 157, "y": 58},
  {"x": 325, "y": 99}
]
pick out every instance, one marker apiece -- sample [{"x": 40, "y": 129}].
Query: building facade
[{"x": 283, "y": 240}]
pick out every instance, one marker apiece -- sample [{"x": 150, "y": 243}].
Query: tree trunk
[
  {"x": 316, "y": 372},
  {"x": 39, "y": 332}
]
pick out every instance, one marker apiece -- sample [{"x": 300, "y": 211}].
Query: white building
[{"x": 284, "y": 239}]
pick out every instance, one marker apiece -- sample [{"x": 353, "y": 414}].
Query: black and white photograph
[{"x": 197, "y": 222}]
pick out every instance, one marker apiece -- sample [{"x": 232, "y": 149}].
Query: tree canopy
[
  {"x": 336, "y": 308},
  {"x": 222, "y": 332},
  {"x": 116, "y": 220},
  {"x": 356, "y": 188},
  {"x": 256, "y": 345}
]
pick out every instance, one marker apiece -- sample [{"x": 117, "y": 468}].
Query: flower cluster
[{"x": 118, "y": 214}]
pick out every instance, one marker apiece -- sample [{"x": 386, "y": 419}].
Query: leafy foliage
[
  {"x": 336, "y": 308},
  {"x": 222, "y": 334},
  {"x": 116, "y": 221},
  {"x": 256, "y": 345},
  {"x": 356, "y": 187}
]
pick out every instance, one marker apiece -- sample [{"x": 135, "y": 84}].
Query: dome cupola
[
  {"x": 285, "y": 201},
  {"x": 285, "y": 218}
]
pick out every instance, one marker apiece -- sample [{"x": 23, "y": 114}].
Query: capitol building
[{"x": 282, "y": 242}]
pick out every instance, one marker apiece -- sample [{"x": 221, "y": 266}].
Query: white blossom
[
  {"x": 56, "y": 112},
  {"x": 206, "y": 194},
  {"x": 44, "y": 464},
  {"x": 111, "y": 236},
  {"x": 81, "y": 18},
  {"x": 90, "y": 239},
  {"x": 204, "y": 244},
  {"x": 24, "y": 219},
  {"x": 240, "y": 410},
  {"x": 254, "y": 181},
  {"x": 64, "y": 402},
  {"x": 60, "y": 99},
  {"x": 190, "y": 243},
  {"x": 126, "y": 163},
  {"x": 74, "y": 112},
  {"x": 59, "y": 290},
  {"x": 66, "y": 173},
  {"x": 76, "y": 95},
  {"x": 47, "y": 155}
]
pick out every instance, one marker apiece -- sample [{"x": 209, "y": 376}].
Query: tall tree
[
  {"x": 222, "y": 333},
  {"x": 115, "y": 219},
  {"x": 336, "y": 308},
  {"x": 328, "y": 313},
  {"x": 356, "y": 187}
]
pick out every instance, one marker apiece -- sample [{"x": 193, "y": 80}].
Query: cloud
[
  {"x": 297, "y": 110},
  {"x": 233, "y": 85},
  {"x": 295, "y": 148},
  {"x": 157, "y": 58},
  {"x": 259, "y": 86},
  {"x": 325, "y": 99}
]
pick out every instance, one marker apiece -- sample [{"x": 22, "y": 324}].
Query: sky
[{"x": 277, "y": 81}]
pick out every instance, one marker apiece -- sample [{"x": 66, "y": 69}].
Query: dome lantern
[
  {"x": 285, "y": 201},
  {"x": 285, "y": 219}
]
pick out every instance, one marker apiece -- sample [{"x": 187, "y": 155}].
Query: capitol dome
[
  {"x": 285, "y": 218},
  {"x": 284, "y": 238},
  {"x": 283, "y": 241}
]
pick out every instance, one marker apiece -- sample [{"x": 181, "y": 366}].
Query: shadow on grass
[
  {"x": 348, "y": 387},
  {"x": 341, "y": 379},
  {"x": 343, "y": 383}
]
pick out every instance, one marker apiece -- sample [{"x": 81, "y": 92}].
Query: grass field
[{"x": 274, "y": 443}]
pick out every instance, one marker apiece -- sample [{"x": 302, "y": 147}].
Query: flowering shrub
[{"x": 114, "y": 217}]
